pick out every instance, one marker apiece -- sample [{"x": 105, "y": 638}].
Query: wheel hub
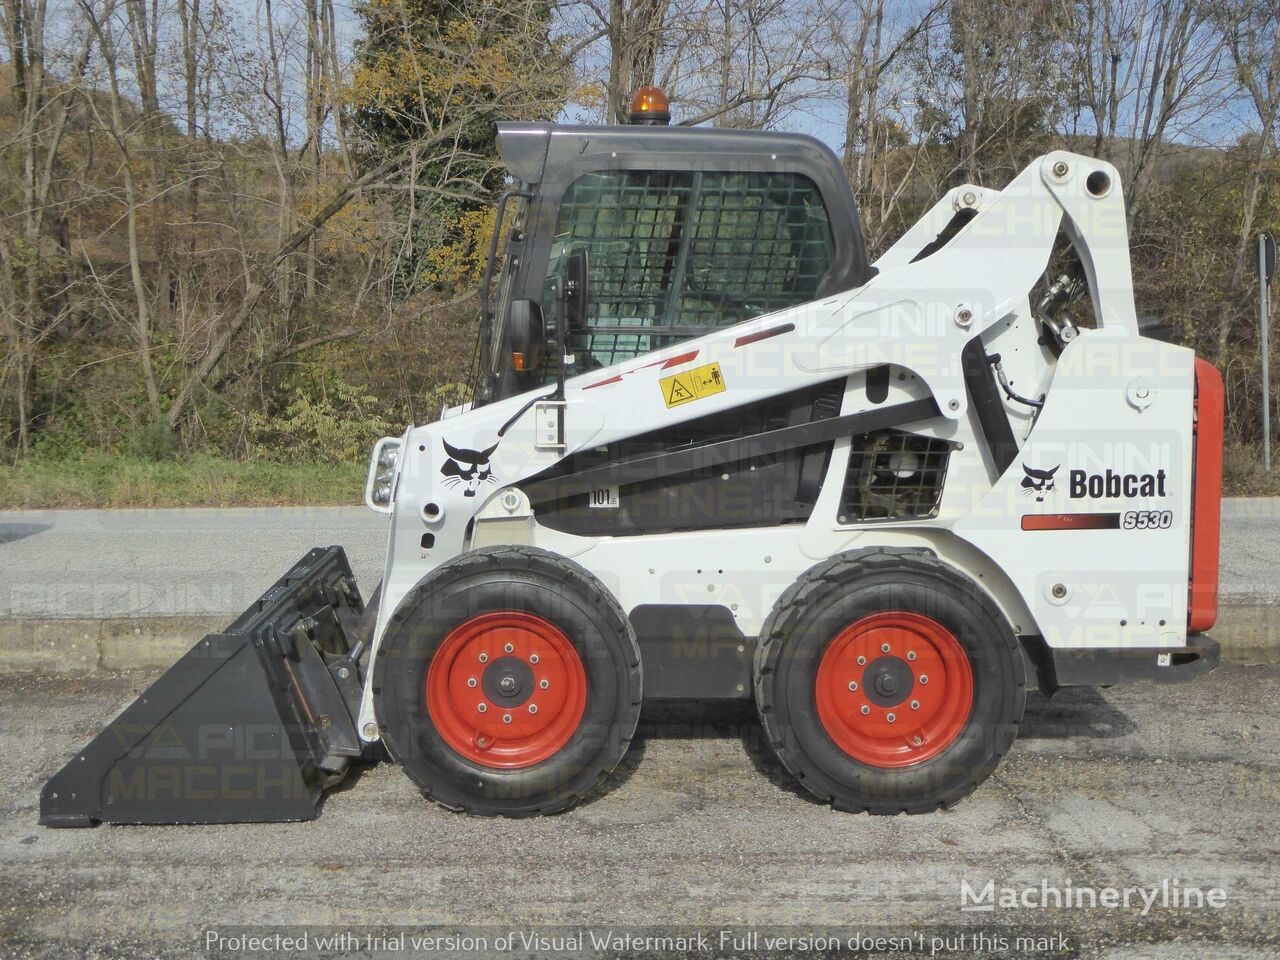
[
  {"x": 506, "y": 689},
  {"x": 508, "y": 681},
  {"x": 894, "y": 689},
  {"x": 888, "y": 680}
]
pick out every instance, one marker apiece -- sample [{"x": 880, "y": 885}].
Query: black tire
[
  {"x": 841, "y": 591},
  {"x": 548, "y": 586}
]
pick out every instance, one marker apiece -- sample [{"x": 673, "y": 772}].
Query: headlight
[{"x": 379, "y": 489}]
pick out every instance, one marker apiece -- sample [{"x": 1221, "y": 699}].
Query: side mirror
[
  {"x": 526, "y": 335},
  {"x": 577, "y": 294}
]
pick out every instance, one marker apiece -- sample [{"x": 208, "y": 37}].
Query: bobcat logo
[
  {"x": 1038, "y": 482},
  {"x": 467, "y": 466}
]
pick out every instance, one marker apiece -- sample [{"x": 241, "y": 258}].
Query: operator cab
[{"x": 686, "y": 230}]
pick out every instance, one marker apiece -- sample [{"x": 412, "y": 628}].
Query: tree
[{"x": 426, "y": 66}]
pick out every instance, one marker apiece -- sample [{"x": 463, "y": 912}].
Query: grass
[
  {"x": 199, "y": 481},
  {"x": 1243, "y": 475}
]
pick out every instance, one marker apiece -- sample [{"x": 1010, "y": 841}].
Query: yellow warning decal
[{"x": 692, "y": 384}]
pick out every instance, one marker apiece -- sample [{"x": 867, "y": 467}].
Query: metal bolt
[
  {"x": 1060, "y": 169},
  {"x": 916, "y": 741},
  {"x": 544, "y": 684},
  {"x": 865, "y": 709},
  {"x": 891, "y": 718},
  {"x": 533, "y": 658},
  {"x": 484, "y": 658},
  {"x": 861, "y": 661},
  {"x": 508, "y": 684},
  {"x": 1059, "y": 590},
  {"x": 911, "y": 654},
  {"x": 853, "y": 684},
  {"x": 964, "y": 316},
  {"x": 482, "y": 707},
  {"x": 924, "y": 678},
  {"x": 506, "y": 718},
  {"x": 370, "y": 730},
  {"x": 970, "y": 198},
  {"x": 953, "y": 404},
  {"x": 343, "y": 673},
  {"x": 471, "y": 681},
  {"x": 510, "y": 647},
  {"x": 533, "y": 708},
  {"x": 884, "y": 648},
  {"x": 915, "y": 704}
]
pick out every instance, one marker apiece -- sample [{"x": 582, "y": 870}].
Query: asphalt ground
[
  {"x": 201, "y": 562},
  {"x": 700, "y": 830}
]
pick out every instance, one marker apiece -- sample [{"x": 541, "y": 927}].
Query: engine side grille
[{"x": 894, "y": 476}]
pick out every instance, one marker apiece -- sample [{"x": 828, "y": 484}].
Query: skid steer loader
[{"x": 713, "y": 452}]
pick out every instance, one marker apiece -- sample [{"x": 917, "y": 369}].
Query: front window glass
[{"x": 676, "y": 254}]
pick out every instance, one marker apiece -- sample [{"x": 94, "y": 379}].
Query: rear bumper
[
  {"x": 1206, "y": 505},
  {"x": 1107, "y": 666}
]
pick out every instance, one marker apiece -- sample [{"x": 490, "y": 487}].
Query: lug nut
[
  {"x": 482, "y": 707},
  {"x": 884, "y": 648},
  {"x": 533, "y": 708},
  {"x": 484, "y": 658},
  {"x": 915, "y": 704},
  {"x": 533, "y": 658},
  {"x": 853, "y": 684},
  {"x": 861, "y": 661},
  {"x": 544, "y": 684},
  {"x": 506, "y": 718},
  {"x": 924, "y": 678},
  {"x": 509, "y": 647},
  {"x": 911, "y": 654},
  {"x": 891, "y": 718},
  {"x": 471, "y": 681},
  {"x": 865, "y": 709}
]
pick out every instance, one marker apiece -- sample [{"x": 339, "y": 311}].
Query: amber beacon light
[{"x": 650, "y": 106}]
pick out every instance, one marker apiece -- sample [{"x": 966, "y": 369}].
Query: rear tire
[
  {"x": 508, "y": 683},
  {"x": 910, "y": 729}
]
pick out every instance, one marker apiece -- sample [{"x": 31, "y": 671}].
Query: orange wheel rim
[
  {"x": 506, "y": 689},
  {"x": 894, "y": 689}
]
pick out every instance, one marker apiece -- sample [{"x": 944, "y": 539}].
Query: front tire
[
  {"x": 889, "y": 683},
  {"x": 508, "y": 683}
]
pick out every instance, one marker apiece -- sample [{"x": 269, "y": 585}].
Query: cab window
[{"x": 676, "y": 254}]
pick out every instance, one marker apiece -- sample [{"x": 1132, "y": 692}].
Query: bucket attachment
[{"x": 251, "y": 725}]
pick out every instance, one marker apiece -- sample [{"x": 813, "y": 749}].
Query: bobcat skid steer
[{"x": 713, "y": 453}]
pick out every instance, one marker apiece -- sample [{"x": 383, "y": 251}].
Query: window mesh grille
[
  {"x": 894, "y": 476},
  {"x": 670, "y": 251}
]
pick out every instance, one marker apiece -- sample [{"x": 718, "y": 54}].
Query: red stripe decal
[
  {"x": 673, "y": 362},
  {"x": 601, "y": 383},
  {"x": 1071, "y": 521},
  {"x": 676, "y": 361},
  {"x": 747, "y": 338}
]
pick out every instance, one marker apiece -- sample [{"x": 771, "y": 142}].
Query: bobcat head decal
[
  {"x": 467, "y": 466},
  {"x": 1038, "y": 482}
]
